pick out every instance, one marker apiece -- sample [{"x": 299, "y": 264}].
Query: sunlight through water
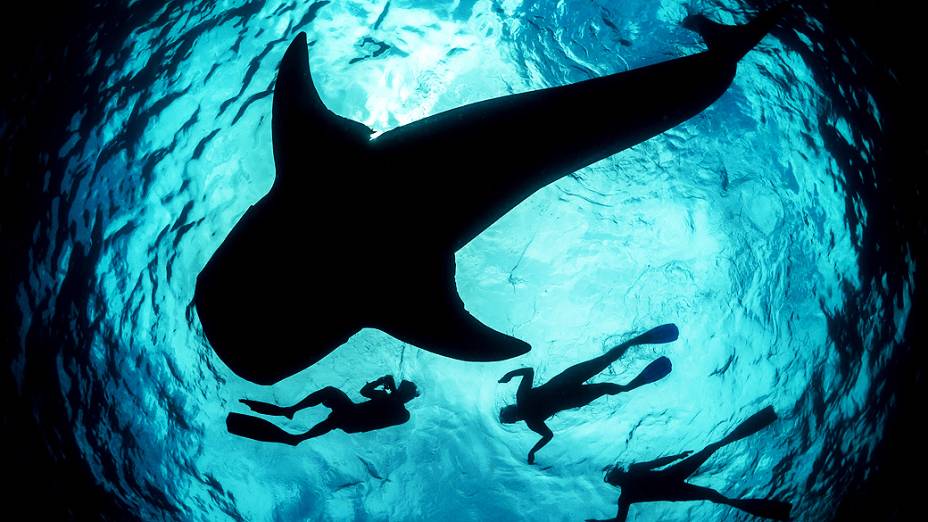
[{"x": 737, "y": 225}]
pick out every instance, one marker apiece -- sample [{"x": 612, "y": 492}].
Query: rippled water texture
[{"x": 739, "y": 225}]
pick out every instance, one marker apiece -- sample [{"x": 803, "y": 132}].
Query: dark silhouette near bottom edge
[
  {"x": 566, "y": 390},
  {"x": 385, "y": 408},
  {"x": 641, "y": 483}
]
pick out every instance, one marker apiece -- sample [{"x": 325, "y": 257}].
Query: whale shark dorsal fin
[
  {"x": 432, "y": 316},
  {"x": 299, "y": 116}
]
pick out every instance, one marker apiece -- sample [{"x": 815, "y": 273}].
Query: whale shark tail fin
[
  {"x": 431, "y": 316},
  {"x": 300, "y": 119},
  {"x": 735, "y": 41}
]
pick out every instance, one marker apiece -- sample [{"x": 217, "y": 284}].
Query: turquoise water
[{"x": 733, "y": 225}]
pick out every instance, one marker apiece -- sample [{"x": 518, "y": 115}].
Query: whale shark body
[{"x": 360, "y": 233}]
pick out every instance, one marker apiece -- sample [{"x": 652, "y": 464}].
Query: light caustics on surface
[{"x": 731, "y": 225}]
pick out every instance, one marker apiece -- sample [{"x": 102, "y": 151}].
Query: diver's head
[
  {"x": 615, "y": 475},
  {"x": 407, "y": 391},
  {"x": 509, "y": 414}
]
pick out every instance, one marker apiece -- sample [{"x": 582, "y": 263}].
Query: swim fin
[
  {"x": 258, "y": 429},
  {"x": 665, "y": 333},
  {"x": 657, "y": 370},
  {"x": 762, "y": 507},
  {"x": 751, "y": 425}
]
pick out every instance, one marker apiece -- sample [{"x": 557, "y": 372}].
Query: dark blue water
[{"x": 745, "y": 226}]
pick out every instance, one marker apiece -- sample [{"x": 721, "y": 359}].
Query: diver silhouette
[
  {"x": 385, "y": 408},
  {"x": 641, "y": 483},
  {"x": 566, "y": 390},
  {"x": 359, "y": 233}
]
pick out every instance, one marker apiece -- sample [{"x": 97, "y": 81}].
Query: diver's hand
[
  {"x": 265, "y": 408},
  {"x": 504, "y": 379}
]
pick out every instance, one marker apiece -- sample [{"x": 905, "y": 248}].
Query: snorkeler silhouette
[
  {"x": 361, "y": 233},
  {"x": 566, "y": 390},
  {"x": 385, "y": 408},
  {"x": 640, "y": 483}
]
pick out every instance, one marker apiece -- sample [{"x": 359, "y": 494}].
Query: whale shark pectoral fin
[
  {"x": 432, "y": 317},
  {"x": 451, "y": 331},
  {"x": 300, "y": 118},
  {"x": 455, "y": 333}
]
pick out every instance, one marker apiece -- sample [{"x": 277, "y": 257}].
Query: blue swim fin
[
  {"x": 657, "y": 370},
  {"x": 665, "y": 333},
  {"x": 751, "y": 425}
]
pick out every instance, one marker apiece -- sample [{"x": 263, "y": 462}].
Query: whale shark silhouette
[{"x": 359, "y": 232}]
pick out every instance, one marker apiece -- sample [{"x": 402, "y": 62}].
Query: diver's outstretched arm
[
  {"x": 656, "y": 463},
  {"x": 370, "y": 390},
  {"x": 546, "y": 435},
  {"x": 528, "y": 376}
]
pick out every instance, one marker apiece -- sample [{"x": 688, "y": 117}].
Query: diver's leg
[
  {"x": 330, "y": 397},
  {"x": 683, "y": 491},
  {"x": 588, "y": 393},
  {"x": 582, "y": 372},
  {"x": 761, "y": 507},
  {"x": 658, "y": 369},
  {"x": 573, "y": 395},
  {"x": 322, "y": 428},
  {"x": 259, "y": 429},
  {"x": 749, "y": 426},
  {"x": 689, "y": 465}
]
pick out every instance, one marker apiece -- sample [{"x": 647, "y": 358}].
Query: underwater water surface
[{"x": 738, "y": 225}]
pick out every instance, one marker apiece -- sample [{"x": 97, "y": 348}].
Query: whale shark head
[{"x": 336, "y": 245}]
